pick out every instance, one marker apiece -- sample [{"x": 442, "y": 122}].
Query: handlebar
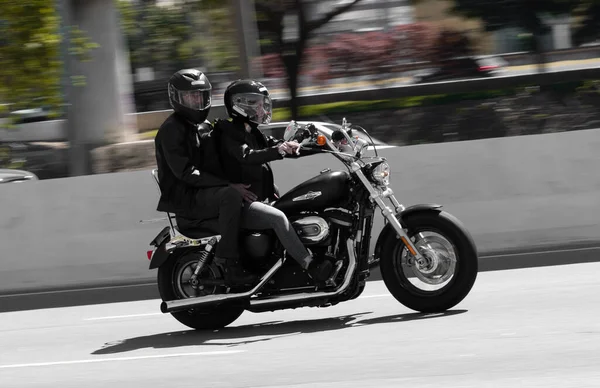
[{"x": 341, "y": 143}]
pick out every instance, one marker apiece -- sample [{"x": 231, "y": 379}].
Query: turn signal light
[{"x": 321, "y": 140}]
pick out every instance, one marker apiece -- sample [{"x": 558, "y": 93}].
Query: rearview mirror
[{"x": 290, "y": 131}]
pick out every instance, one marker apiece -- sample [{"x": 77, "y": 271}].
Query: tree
[
  {"x": 272, "y": 14},
  {"x": 30, "y": 54},
  {"x": 186, "y": 33},
  {"x": 415, "y": 41},
  {"x": 349, "y": 54},
  {"x": 450, "y": 44},
  {"x": 527, "y": 15},
  {"x": 155, "y": 35}
]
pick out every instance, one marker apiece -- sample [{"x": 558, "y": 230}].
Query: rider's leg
[
  {"x": 226, "y": 203},
  {"x": 258, "y": 215}
]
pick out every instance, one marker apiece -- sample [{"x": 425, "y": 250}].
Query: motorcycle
[{"x": 427, "y": 258}]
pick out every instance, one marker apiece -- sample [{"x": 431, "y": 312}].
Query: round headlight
[{"x": 381, "y": 174}]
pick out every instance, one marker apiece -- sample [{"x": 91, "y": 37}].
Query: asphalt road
[{"x": 533, "y": 327}]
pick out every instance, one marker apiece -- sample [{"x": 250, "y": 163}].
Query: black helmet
[
  {"x": 249, "y": 101},
  {"x": 190, "y": 94}
]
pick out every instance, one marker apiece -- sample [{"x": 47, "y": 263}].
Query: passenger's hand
[{"x": 247, "y": 195}]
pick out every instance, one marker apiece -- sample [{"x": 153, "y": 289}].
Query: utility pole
[{"x": 247, "y": 37}]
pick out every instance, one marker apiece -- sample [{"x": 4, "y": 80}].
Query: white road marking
[
  {"x": 374, "y": 296},
  {"x": 77, "y": 290},
  {"x": 123, "y": 316},
  {"x": 119, "y": 359}
]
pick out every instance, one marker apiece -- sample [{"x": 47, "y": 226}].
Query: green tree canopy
[
  {"x": 186, "y": 33},
  {"x": 31, "y": 65}
]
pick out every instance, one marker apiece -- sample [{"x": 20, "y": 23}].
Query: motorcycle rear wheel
[
  {"x": 173, "y": 283},
  {"x": 451, "y": 263}
]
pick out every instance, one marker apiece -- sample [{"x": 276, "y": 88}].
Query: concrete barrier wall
[{"x": 510, "y": 192}]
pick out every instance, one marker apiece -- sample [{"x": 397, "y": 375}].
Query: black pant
[{"x": 226, "y": 204}]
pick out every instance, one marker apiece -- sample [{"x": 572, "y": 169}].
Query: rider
[
  {"x": 246, "y": 153},
  {"x": 191, "y": 179}
]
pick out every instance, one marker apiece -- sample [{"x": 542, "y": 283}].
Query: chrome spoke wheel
[{"x": 438, "y": 266}]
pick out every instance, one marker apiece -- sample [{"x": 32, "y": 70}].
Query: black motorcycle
[{"x": 428, "y": 260}]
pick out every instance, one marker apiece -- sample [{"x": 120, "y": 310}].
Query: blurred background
[{"x": 84, "y": 82}]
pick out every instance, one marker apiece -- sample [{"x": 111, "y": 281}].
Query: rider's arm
[
  {"x": 181, "y": 165},
  {"x": 271, "y": 141},
  {"x": 242, "y": 152}
]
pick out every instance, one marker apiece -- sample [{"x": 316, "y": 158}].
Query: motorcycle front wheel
[
  {"x": 447, "y": 273},
  {"x": 174, "y": 282}
]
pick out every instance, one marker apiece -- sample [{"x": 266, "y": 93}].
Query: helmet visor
[
  {"x": 257, "y": 106},
  {"x": 193, "y": 99}
]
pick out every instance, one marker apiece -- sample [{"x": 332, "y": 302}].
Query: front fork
[{"x": 388, "y": 213}]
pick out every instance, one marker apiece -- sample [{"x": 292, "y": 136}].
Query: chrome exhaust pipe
[
  {"x": 259, "y": 305},
  {"x": 202, "y": 301}
]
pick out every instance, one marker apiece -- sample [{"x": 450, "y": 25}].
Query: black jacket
[
  {"x": 187, "y": 160},
  {"x": 245, "y": 157}
]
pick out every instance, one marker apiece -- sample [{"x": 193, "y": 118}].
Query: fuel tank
[{"x": 325, "y": 190}]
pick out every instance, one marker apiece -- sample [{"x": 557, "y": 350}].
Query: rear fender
[
  {"x": 387, "y": 229},
  {"x": 160, "y": 254},
  {"x": 161, "y": 237}
]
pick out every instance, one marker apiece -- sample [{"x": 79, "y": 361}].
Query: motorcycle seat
[{"x": 195, "y": 229}]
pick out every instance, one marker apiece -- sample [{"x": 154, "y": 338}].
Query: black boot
[
  {"x": 235, "y": 274},
  {"x": 320, "y": 270}
]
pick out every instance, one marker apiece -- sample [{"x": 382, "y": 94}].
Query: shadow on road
[{"x": 247, "y": 334}]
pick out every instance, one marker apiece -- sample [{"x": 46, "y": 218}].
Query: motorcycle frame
[{"x": 357, "y": 249}]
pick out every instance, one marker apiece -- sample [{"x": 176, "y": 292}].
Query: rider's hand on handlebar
[
  {"x": 289, "y": 147},
  {"x": 247, "y": 195}
]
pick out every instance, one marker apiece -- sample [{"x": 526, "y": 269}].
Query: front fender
[{"x": 424, "y": 207}]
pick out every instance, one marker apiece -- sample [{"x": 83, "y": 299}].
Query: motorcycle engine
[{"x": 311, "y": 230}]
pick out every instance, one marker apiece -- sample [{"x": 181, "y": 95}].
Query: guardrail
[{"x": 152, "y": 120}]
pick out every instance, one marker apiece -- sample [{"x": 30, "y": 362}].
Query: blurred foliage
[
  {"x": 352, "y": 54},
  {"x": 189, "y": 33},
  {"x": 156, "y": 36},
  {"x": 291, "y": 51},
  {"x": 341, "y": 107},
  {"x": 587, "y": 25},
  {"x": 7, "y": 159},
  {"x": 450, "y": 44},
  {"x": 31, "y": 66}
]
